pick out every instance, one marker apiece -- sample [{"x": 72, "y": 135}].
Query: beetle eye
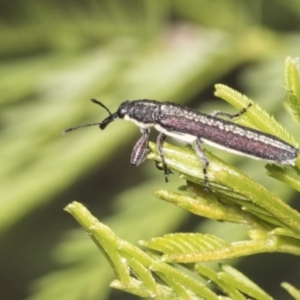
[
  {"x": 124, "y": 109},
  {"x": 122, "y": 112}
]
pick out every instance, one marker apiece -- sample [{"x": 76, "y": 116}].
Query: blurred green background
[{"x": 54, "y": 57}]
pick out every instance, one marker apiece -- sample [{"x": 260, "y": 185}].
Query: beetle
[{"x": 193, "y": 127}]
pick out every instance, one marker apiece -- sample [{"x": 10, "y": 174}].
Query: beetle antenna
[
  {"x": 101, "y": 104},
  {"x": 100, "y": 124},
  {"x": 80, "y": 126}
]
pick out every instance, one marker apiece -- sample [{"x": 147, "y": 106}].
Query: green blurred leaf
[
  {"x": 295, "y": 293},
  {"x": 292, "y": 79}
]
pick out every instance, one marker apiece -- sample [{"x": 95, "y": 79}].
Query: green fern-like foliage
[{"x": 273, "y": 226}]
